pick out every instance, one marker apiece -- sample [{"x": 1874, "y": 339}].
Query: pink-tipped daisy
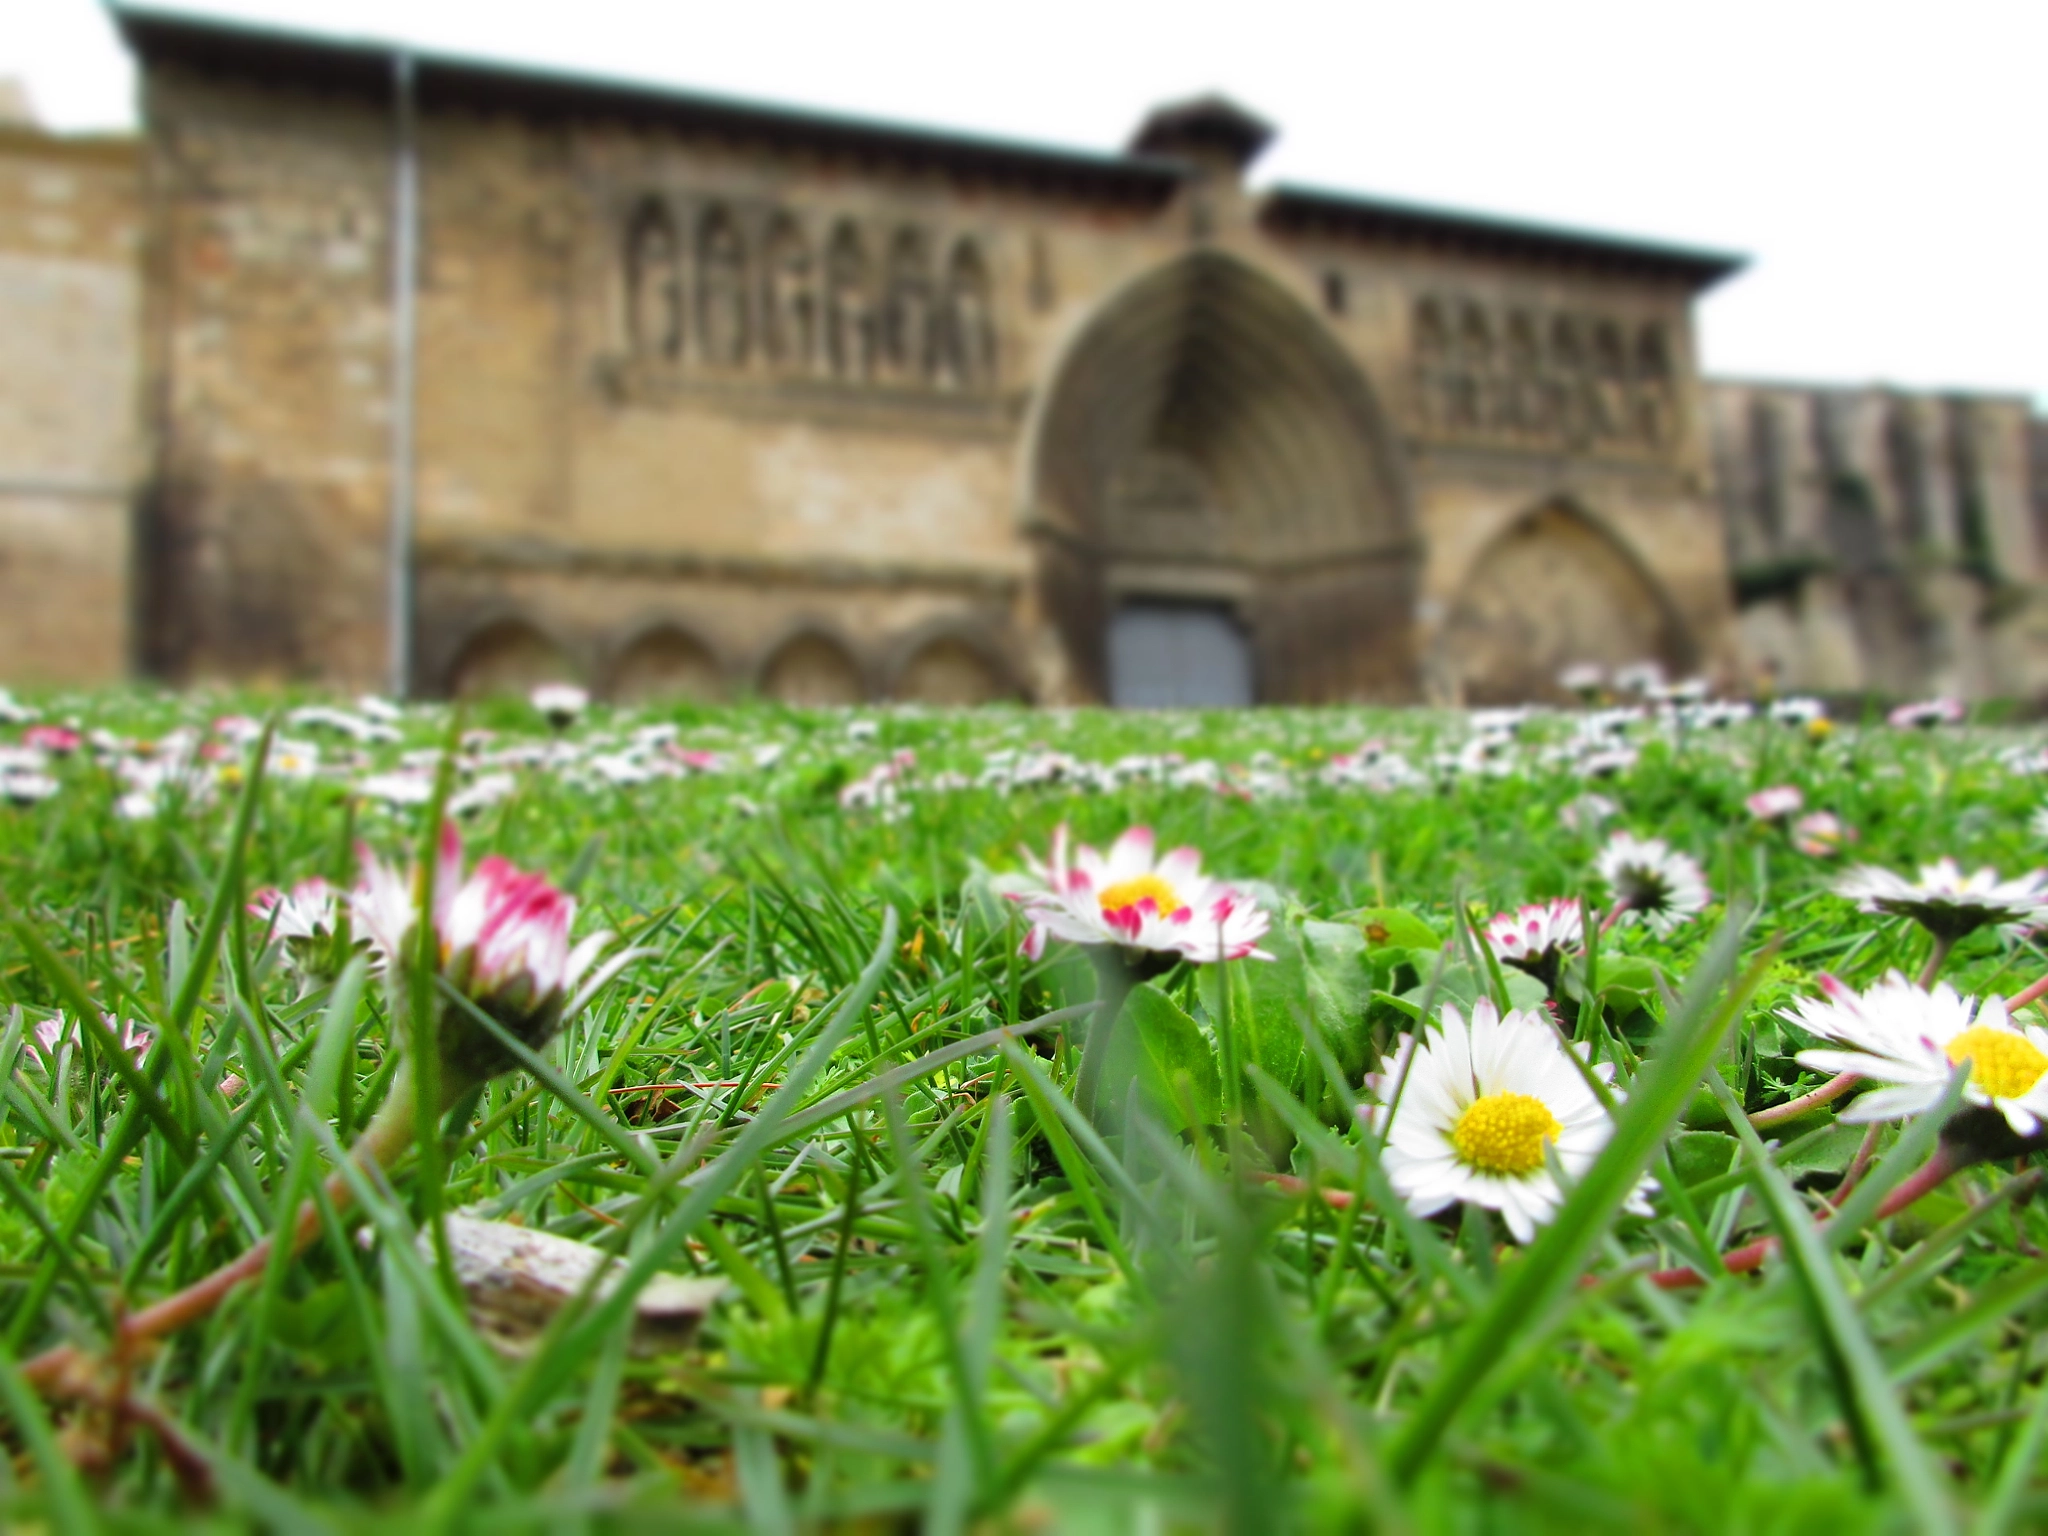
[
  {"x": 1775, "y": 803},
  {"x": 1133, "y": 900},
  {"x": 502, "y": 940},
  {"x": 1537, "y": 936}
]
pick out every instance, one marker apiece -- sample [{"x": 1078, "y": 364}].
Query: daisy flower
[
  {"x": 561, "y": 703},
  {"x": 1653, "y": 881},
  {"x": 1536, "y": 936},
  {"x": 1587, "y": 811},
  {"x": 1478, "y": 1109},
  {"x": 1775, "y": 803},
  {"x": 502, "y": 939},
  {"x": 1798, "y": 712},
  {"x": 1820, "y": 835},
  {"x": 26, "y": 786},
  {"x": 53, "y": 1032},
  {"x": 1926, "y": 715},
  {"x": 1911, "y": 1040},
  {"x": 1585, "y": 679},
  {"x": 1945, "y": 901},
  {"x": 58, "y": 739},
  {"x": 1639, "y": 677},
  {"x": 1135, "y": 901},
  {"x": 307, "y": 911}
]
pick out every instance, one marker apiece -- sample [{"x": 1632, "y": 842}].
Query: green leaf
[
  {"x": 1629, "y": 982},
  {"x": 1830, "y": 1153},
  {"x": 1701, "y": 1155},
  {"x": 1382, "y": 927},
  {"x": 1524, "y": 990},
  {"x": 1162, "y": 1046}
]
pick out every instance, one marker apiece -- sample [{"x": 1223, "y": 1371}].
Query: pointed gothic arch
[
  {"x": 1206, "y": 439},
  {"x": 1555, "y": 588},
  {"x": 508, "y": 658},
  {"x": 661, "y": 663}
]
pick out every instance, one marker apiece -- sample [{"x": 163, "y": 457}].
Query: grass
[{"x": 954, "y": 1301}]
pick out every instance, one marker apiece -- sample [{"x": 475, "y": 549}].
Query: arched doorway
[
  {"x": 1207, "y": 441},
  {"x": 812, "y": 672},
  {"x": 1178, "y": 656},
  {"x": 507, "y": 659},
  {"x": 1554, "y": 590},
  {"x": 948, "y": 671},
  {"x": 664, "y": 663}
]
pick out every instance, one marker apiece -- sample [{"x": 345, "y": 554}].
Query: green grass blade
[
  {"x": 1661, "y": 1091},
  {"x": 1912, "y": 1469}
]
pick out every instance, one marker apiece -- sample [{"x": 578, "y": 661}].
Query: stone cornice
[{"x": 506, "y": 553}]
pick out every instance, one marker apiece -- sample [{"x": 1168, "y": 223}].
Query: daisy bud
[{"x": 502, "y": 941}]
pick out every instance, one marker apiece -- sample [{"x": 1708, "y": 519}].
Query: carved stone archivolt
[
  {"x": 1521, "y": 376},
  {"x": 715, "y": 289}
]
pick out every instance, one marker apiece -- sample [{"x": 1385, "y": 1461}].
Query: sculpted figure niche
[
  {"x": 1654, "y": 407},
  {"x": 1565, "y": 384},
  {"x": 907, "y": 323},
  {"x": 1559, "y": 379},
  {"x": 721, "y": 289},
  {"x": 1522, "y": 394},
  {"x": 654, "y": 284},
  {"x": 1610, "y": 383},
  {"x": 789, "y": 318},
  {"x": 1472, "y": 394},
  {"x": 1433, "y": 366},
  {"x": 849, "y": 307},
  {"x": 968, "y": 334}
]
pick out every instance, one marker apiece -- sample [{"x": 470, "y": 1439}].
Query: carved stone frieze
[
  {"x": 719, "y": 291},
  {"x": 1517, "y": 375}
]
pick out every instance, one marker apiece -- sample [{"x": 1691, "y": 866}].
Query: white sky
[{"x": 1883, "y": 163}]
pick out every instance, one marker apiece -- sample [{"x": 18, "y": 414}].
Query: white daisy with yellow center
[
  {"x": 1486, "y": 1110},
  {"x": 1909, "y": 1040}
]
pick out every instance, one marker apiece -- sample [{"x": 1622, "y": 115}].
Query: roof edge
[
  {"x": 364, "y": 65},
  {"x": 1289, "y": 208}
]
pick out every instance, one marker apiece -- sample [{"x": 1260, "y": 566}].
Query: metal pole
[{"x": 405, "y": 244}]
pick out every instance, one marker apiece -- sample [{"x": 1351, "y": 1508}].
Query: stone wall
[
  {"x": 718, "y": 399},
  {"x": 1885, "y": 540},
  {"x": 69, "y": 316},
  {"x": 268, "y": 352}
]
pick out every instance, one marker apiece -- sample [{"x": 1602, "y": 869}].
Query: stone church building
[{"x": 394, "y": 370}]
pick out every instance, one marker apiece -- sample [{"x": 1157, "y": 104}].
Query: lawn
[{"x": 897, "y": 1165}]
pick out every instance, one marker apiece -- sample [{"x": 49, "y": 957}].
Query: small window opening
[{"x": 1335, "y": 296}]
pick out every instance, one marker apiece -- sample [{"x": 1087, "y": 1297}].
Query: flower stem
[
  {"x": 66, "y": 1372},
  {"x": 1792, "y": 1109},
  {"x": 2020, "y": 1000},
  {"x": 1935, "y": 959},
  {"x": 1113, "y": 983},
  {"x": 1619, "y": 910},
  {"x": 1740, "y": 1261}
]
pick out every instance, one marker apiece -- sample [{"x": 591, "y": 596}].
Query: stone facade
[
  {"x": 710, "y": 399},
  {"x": 1886, "y": 542},
  {"x": 69, "y": 404}
]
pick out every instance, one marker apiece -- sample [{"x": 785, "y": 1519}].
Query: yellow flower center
[
  {"x": 1128, "y": 893},
  {"x": 1505, "y": 1133},
  {"x": 2002, "y": 1063}
]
